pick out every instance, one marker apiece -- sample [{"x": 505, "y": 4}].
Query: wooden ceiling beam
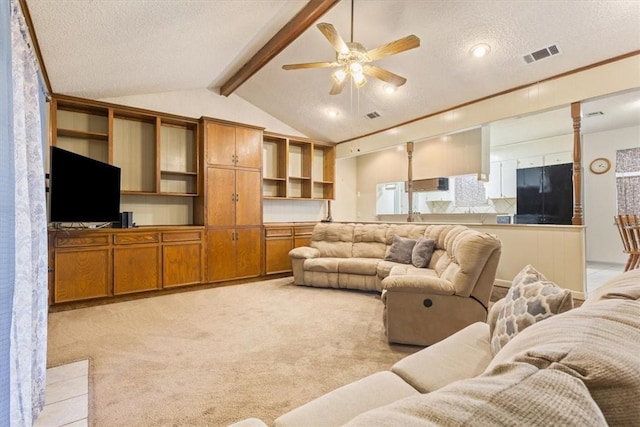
[{"x": 291, "y": 31}]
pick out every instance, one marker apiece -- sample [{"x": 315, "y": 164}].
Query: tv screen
[{"x": 82, "y": 189}]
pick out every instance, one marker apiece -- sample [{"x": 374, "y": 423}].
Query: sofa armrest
[
  {"x": 344, "y": 403},
  {"x": 465, "y": 354},
  {"x": 418, "y": 284},
  {"x": 304, "y": 252}
]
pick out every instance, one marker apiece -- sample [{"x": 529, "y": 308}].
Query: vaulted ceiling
[{"x": 117, "y": 48}]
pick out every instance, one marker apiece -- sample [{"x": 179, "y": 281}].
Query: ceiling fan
[{"x": 353, "y": 60}]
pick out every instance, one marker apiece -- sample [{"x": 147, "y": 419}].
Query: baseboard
[{"x": 502, "y": 283}]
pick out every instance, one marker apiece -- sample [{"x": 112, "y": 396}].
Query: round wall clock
[{"x": 600, "y": 165}]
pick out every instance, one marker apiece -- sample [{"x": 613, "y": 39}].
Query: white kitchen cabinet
[
  {"x": 438, "y": 196},
  {"x": 502, "y": 180},
  {"x": 530, "y": 162},
  {"x": 558, "y": 158}
]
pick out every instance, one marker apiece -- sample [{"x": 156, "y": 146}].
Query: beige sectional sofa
[
  {"x": 426, "y": 299},
  {"x": 580, "y": 367}
]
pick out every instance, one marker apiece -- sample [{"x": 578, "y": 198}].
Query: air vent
[
  {"x": 373, "y": 115},
  {"x": 594, "y": 114},
  {"x": 541, "y": 54}
]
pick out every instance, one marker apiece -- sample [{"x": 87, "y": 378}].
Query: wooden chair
[{"x": 629, "y": 229}]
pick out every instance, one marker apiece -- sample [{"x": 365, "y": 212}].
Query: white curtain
[{"x": 29, "y": 313}]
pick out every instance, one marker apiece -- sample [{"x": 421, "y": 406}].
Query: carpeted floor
[{"x": 212, "y": 357}]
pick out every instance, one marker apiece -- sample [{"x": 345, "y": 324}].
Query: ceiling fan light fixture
[
  {"x": 480, "y": 50},
  {"x": 390, "y": 89},
  {"x": 353, "y": 60},
  {"x": 359, "y": 79},
  {"x": 355, "y": 68},
  {"x": 339, "y": 75}
]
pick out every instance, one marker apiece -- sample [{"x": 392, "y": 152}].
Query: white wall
[
  {"x": 202, "y": 102},
  {"x": 599, "y": 201},
  {"x": 345, "y": 206},
  {"x": 375, "y": 168},
  {"x": 537, "y": 147}
]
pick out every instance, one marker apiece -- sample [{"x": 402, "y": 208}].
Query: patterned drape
[
  {"x": 7, "y": 259},
  {"x": 29, "y": 308},
  {"x": 628, "y": 181}
]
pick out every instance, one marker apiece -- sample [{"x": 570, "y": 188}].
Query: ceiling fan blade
[
  {"x": 337, "y": 87},
  {"x": 334, "y": 38},
  {"x": 400, "y": 45},
  {"x": 384, "y": 75},
  {"x": 309, "y": 65}
]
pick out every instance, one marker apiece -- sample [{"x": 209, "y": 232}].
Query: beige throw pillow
[{"x": 530, "y": 299}]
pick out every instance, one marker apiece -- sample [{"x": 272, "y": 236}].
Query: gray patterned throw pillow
[
  {"x": 530, "y": 299},
  {"x": 400, "y": 250}
]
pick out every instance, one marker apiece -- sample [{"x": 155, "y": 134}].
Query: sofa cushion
[
  {"x": 409, "y": 269},
  {"x": 385, "y": 267},
  {"x": 464, "y": 354},
  {"x": 530, "y": 298},
  {"x": 342, "y": 404},
  {"x": 364, "y": 266},
  {"x": 325, "y": 264},
  {"x": 515, "y": 394},
  {"x": 400, "y": 250},
  {"x": 369, "y": 241},
  {"x": 411, "y": 231},
  {"x": 623, "y": 286},
  {"x": 598, "y": 344},
  {"x": 333, "y": 240},
  {"x": 422, "y": 251}
]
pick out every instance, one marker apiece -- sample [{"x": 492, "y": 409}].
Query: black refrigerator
[{"x": 545, "y": 195}]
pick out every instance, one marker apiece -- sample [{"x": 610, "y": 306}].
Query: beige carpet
[{"x": 212, "y": 357}]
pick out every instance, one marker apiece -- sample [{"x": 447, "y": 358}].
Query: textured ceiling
[{"x": 117, "y": 48}]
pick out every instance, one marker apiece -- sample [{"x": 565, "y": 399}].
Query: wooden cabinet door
[
  {"x": 136, "y": 268},
  {"x": 221, "y": 144},
  {"x": 182, "y": 264},
  {"x": 248, "y": 210},
  {"x": 249, "y": 148},
  {"x": 221, "y": 196},
  {"x": 221, "y": 263},
  {"x": 248, "y": 252},
  {"x": 81, "y": 274},
  {"x": 302, "y": 235},
  {"x": 277, "y": 256}
]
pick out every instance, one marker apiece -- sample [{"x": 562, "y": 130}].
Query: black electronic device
[
  {"x": 126, "y": 219},
  {"x": 545, "y": 195},
  {"x": 83, "y": 189}
]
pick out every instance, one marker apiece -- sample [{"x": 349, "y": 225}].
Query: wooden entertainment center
[{"x": 196, "y": 188}]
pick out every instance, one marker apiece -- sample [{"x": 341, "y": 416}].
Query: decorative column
[
  {"x": 577, "y": 165},
  {"x": 410, "y": 180}
]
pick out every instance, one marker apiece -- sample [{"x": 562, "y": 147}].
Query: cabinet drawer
[
  {"x": 125, "y": 239},
  {"x": 304, "y": 231},
  {"x": 181, "y": 236},
  {"x": 84, "y": 240},
  {"x": 278, "y": 232}
]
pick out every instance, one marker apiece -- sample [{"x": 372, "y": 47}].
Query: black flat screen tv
[{"x": 82, "y": 189}]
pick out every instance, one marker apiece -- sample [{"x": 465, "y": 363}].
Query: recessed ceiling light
[
  {"x": 390, "y": 89},
  {"x": 333, "y": 113},
  {"x": 480, "y": 50}
]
